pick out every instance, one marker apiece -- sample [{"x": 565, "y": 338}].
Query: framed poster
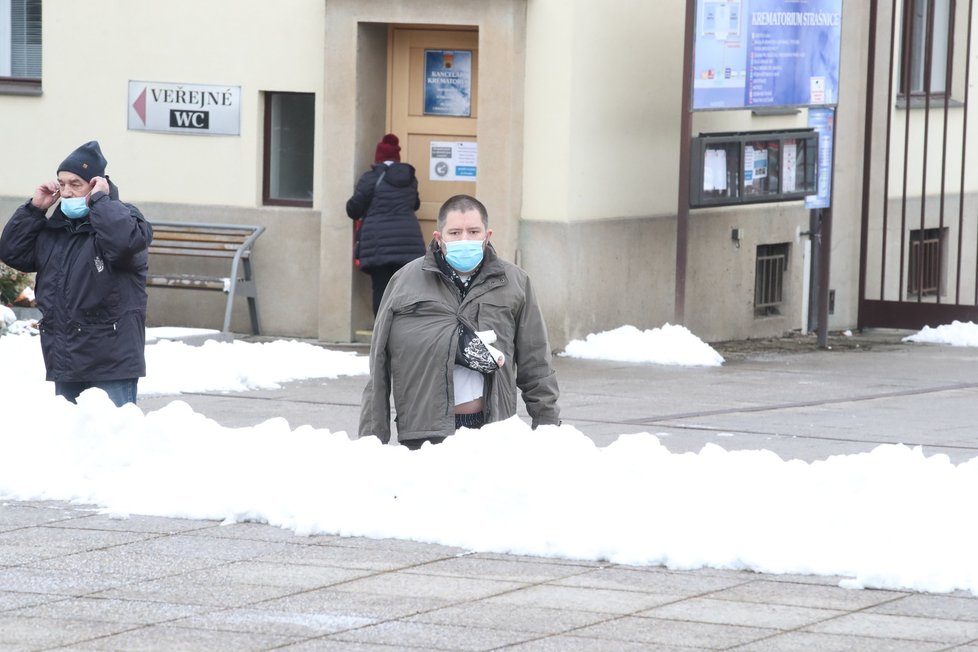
[{"x": 448, "y": 83}]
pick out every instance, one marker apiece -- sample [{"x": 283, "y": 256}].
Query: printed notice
[
  {"x": 715, "y": 170},
  {"x": 789, "y": 166},
  {"x": 453, "y": 161}
]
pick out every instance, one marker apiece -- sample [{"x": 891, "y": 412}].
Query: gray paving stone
[
  {"x": 365, "y": 558},
  {"x": 132, "y": 612},
  {"x": 35, "y": 580},
  {"x": 276, "y": 622},
  {"x": 44, "y": 633},
  {"x": 521, "y": 618},
  {"x": 188, "y": 545},
  {"x": 926, "y": 605},
  {"x": 295, "y": 577},
  {"x": 497, "y": 569},
  {"x": 10, "y": 600},
  {"x": 607, "y": 601},
  {"x": 124, "y": 563},
  {"x": 806, "y": 595},
  {"x": 653, "y": 580},
  {"x": 325, "y": 645},
  {"x": 362, "y": 605},
  {"x": 726, "y": 612},
  {"x": 577, "y": 644},
  {"x": 429, "y": 586},
  {"x": 809, "y": 642},
  {"x": 15, "y": 514},
  {"x": 55, "y": 539},
  {"x": 256, "y": 532},
  {"x": 433, "y": 637},
  {"x": 169, "y": 637},
  {"x": 193, "y": 589},
  {"x": 134, "y": 523},
  {"x": 673, "y": 632},
  {"x": 578, "y": 563},
  {"x": 900, "y": 627}
]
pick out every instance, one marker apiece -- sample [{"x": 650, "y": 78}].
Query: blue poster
[
  {"x": 448, "y": 82},
  {"x": 823, "y": 121},
  {"x": 766, "y": 53}
]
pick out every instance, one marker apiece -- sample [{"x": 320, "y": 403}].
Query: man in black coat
[{"x": 89, "y": 251}]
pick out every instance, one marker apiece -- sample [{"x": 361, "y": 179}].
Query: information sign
[{"x": 766, "y": 53}]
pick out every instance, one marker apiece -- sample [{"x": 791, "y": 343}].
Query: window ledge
[
  {"x": 920, "y": 102},
  {"x": 293, "y": 203},
  {"x": 20, "y": 86}
]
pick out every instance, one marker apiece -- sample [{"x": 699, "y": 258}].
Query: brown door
[{"x": 432, "y": 109}]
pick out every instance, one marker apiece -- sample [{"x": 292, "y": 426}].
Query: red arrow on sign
[{"x": 140, "y": 106}]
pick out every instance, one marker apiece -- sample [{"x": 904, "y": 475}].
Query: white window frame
[{"x": 918, "y": 43}]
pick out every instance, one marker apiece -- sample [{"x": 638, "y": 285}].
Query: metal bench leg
[
  {"x": 252, "y": 298},
  {"x": 227, "y": 309}
]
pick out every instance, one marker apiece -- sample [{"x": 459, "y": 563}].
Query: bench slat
[
  {"x": 209, "y": 253},
  {"x": 193, "y": 282},
  {"x": 200, "y": 237},
  {"x": 191, "y": 239}
]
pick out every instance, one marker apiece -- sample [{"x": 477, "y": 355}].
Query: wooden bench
[{"x": 211, "y": 241}]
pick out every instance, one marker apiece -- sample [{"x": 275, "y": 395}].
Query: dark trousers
[
  {"x": 120, "y": 391},
  {"x": 379, "y": 278},
  {"x": 474, "y": 421}
]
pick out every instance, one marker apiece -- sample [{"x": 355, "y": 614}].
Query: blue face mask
[
  {"x": 74, "y": 207},
  {"x": 464, "y": 255}
]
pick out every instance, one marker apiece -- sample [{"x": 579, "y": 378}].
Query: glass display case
[{"x": 751, "y": 167}]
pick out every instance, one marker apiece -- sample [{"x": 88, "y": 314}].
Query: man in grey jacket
[{"x": 457, "y": 332}]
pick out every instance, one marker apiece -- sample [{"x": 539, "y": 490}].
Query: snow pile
[
  {"x": 887, "y": 519},
  {"x": 954, "y": 334},
  {"x": 669, "y": 345},
  {"x": 175, "y": 367}
]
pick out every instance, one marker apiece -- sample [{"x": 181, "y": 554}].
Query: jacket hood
[{"x": 399, "y": 175}]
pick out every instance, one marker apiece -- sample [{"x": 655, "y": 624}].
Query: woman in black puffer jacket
[{"x": 386, "y": 197}]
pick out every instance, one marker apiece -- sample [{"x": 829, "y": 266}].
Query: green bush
[{"x": 12, "y": 283}]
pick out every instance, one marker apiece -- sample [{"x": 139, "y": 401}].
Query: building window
[
  {"x": 288, "y": 159},
  {"x": 20, "y": 46},
  {"x": 927, "y": 25},
  {"x": 772, "y": 262}
]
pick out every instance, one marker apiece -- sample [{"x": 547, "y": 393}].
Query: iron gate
[{"x": 919, "y": 246}]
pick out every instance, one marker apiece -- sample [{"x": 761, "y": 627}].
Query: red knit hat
[{"x": 388, "y": 149}]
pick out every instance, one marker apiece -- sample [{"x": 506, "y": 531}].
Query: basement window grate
[{"x": 924, "y": 273}]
